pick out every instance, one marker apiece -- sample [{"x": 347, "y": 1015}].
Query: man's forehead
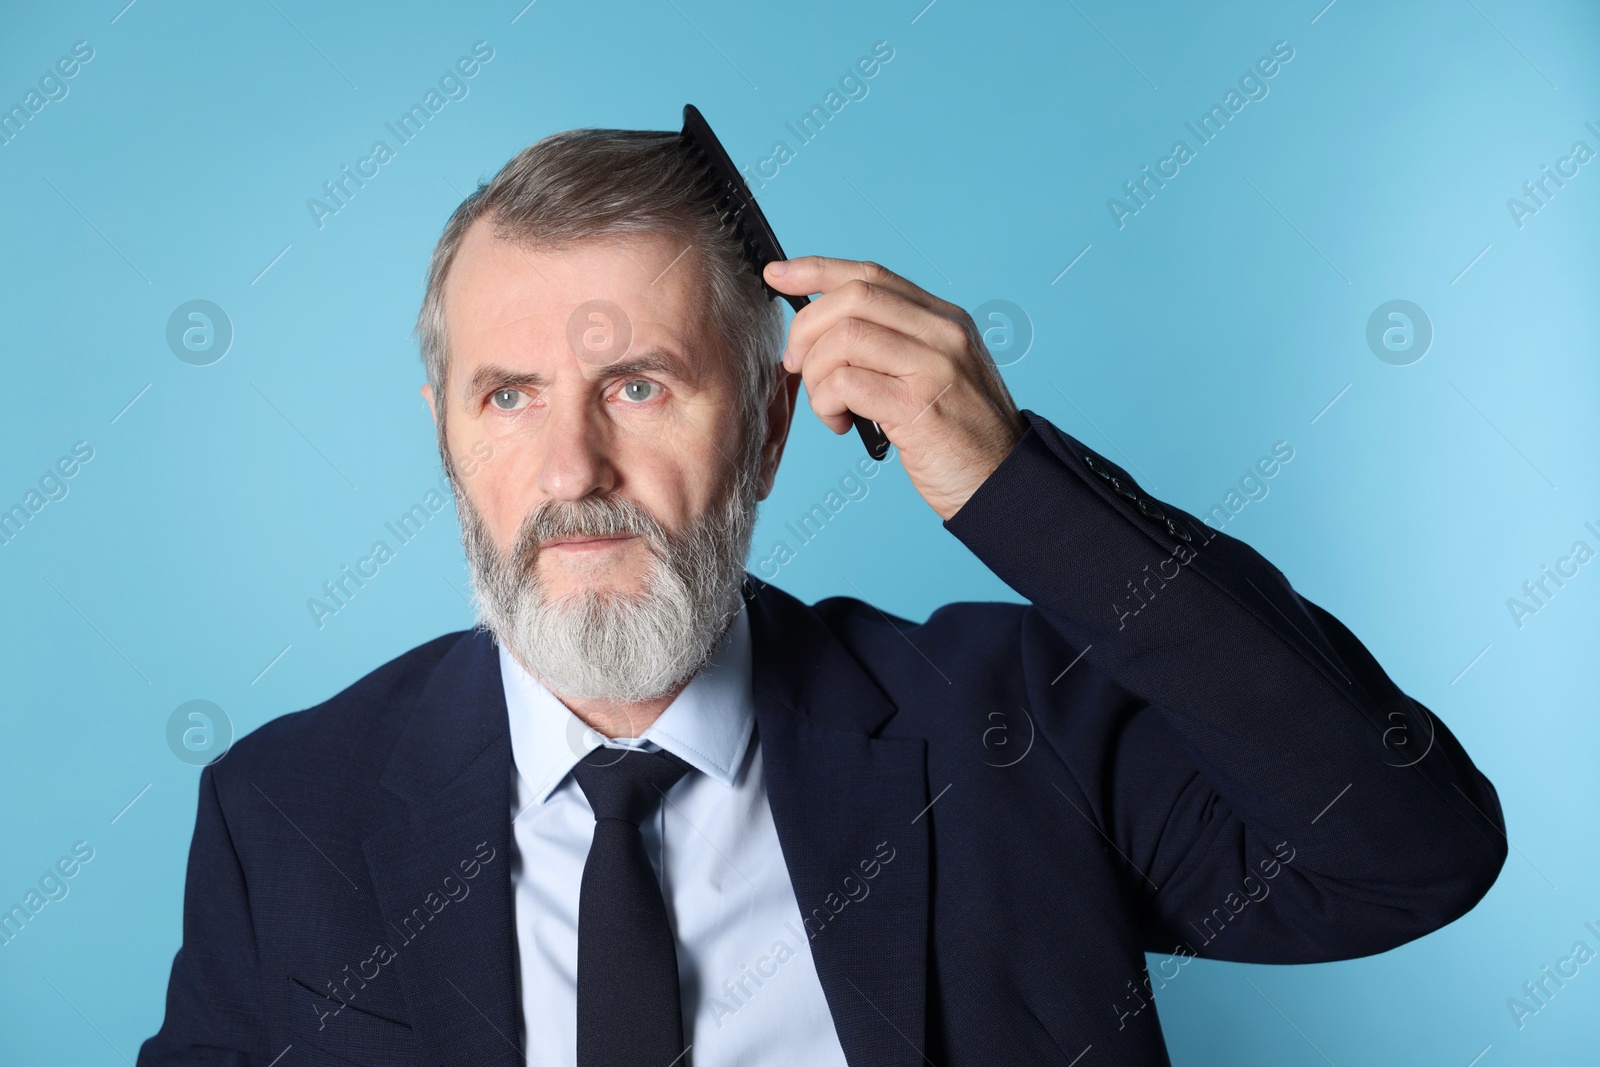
[
  {"x": 610, "y": 295},
  {"x": 493, "y": 277}
]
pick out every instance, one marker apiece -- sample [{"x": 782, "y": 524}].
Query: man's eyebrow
[
  {"x": 659, "y": 360},
  {"x": 492, "y": 374}
]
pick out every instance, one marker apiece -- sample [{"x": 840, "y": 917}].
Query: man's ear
[
  {"x": 780, "y": 414},
  {"x": 427, "y": 394}
]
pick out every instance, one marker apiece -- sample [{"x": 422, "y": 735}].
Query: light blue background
[{"x": 1224, "y": 317}]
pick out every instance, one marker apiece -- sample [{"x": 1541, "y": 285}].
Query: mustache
[{"x": 590, "y": 517}]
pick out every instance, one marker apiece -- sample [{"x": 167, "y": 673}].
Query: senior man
[{"x": 655, "y": 811}]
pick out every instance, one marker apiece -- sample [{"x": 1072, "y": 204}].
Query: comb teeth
[
  {"x": 725, "y": 202},
  {"x": 728, "y": 196}
]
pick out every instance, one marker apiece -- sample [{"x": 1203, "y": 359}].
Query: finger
[
  {"x": 805, "y": 275},
  {"x": 850, "y": 391},
  {"x": 870, "y": 302},
  {"x": 858, "y": 343}
]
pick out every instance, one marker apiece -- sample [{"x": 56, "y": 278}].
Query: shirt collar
[{"x": 708, "y": 724}]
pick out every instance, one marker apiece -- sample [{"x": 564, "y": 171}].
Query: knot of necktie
[{"x": 627, "y": 783}]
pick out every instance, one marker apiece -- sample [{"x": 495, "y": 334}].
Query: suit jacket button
[
  {"x": 1178, "y": 531},
  {"x": 1124, "y": 488},
  {"x": 1151, "y": 511},
  {"x": 1092, "y": 464}
]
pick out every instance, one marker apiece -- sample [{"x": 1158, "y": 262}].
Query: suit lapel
[
  {"x": 849, "y": 811},
  {"x": 442, "y": 871}
]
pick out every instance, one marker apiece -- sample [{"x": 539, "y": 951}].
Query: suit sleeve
[
  {"x": 213, "y": 1012},
  {"x": 1274, "y": 796}
]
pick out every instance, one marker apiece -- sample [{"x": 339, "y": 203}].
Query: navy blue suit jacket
[{"x": 1165, "y": 750}]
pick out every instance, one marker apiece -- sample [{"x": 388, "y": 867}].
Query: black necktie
[{"x": 629, "y": 1014}]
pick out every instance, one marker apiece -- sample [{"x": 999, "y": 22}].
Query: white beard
[{"x": 595, "y": 644}]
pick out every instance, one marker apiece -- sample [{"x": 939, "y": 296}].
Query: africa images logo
[{"x": 1205, "y": 129}]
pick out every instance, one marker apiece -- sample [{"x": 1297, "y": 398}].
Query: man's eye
[
  {"x": 640, "y": 389},
  {"x": 505, "y": 399}
]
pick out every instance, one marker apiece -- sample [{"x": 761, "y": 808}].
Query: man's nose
[{"x": 577, "y": 460}]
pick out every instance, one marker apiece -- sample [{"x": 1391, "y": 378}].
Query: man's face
[
  {"x": 592, "y": 419},
  {"x": 557, "y": 420}
]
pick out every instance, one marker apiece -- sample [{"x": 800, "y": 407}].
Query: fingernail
[{"x": 778, "y": 266}]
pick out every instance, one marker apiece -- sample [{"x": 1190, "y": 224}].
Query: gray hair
[{"x": 585, "y": 184}]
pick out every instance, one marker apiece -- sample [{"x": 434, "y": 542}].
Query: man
[{"x": 653, "y": 810}]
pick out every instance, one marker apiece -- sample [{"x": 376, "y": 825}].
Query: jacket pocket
[{"x": 345, "y": 1032}]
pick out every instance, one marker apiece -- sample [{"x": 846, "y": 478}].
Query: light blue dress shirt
[{"x": 748, "y": 984}]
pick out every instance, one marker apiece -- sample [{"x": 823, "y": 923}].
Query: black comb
[{"x": 732, "y": 200}]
